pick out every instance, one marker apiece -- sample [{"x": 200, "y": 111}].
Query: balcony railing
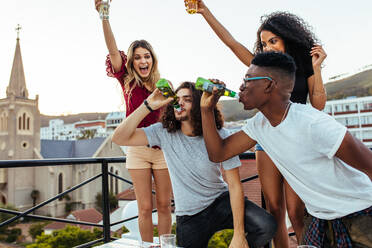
[{"x": 105, "y": 191}]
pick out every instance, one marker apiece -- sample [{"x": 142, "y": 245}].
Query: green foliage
[
  {"x": 87, "y": 134},
  {"x": 7, "y": 234},
  {"x": 124, "y": 229},
  {"x": 68, "y": 237},
  {"x": 221, "y": 239},
  {"x": 68, "y": 207},
  {"x": 112, "y": 201},
  {"x": 13, "y": 235},
  {"x": 36, "y": 229},
  {"x": 98, "y": 233},
  {"x": 156, "y": 232},
  {"x": 4, "y": 217}
]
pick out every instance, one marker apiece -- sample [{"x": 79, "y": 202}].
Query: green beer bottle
[
  {"x": 167, "y": 91},
  {"x": 206, "y": 85}
]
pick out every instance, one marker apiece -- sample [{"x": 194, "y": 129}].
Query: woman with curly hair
[
  {"x": 137, "y": 73},
  {"x": 287, "y": 33}
]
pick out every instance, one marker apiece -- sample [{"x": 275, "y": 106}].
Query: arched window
[
  {"x": 5, "y": 121},
  {"x": 2, "y": 199},
  {"x": 24, "y": 121},
  {"x": 2, "y": 124},
  {"x": 116, "y": 183},
  {"x": 20, "y": 123},
  {"x": 60, "y": 185},
  {"x": 111, "y": 180}
]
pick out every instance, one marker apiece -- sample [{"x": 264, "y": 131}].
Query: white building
[
  {"x": 113, "y": 119},
  {"x": 355, "y": 114},
  {"x": 98, "y": 126},
  {"x": 57, "y": 130}
]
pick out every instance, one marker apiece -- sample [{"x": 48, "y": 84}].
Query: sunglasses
[{"x": 247, "y": 79}]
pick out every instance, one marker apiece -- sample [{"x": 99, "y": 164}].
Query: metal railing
[{"x": 106, "y": 225}]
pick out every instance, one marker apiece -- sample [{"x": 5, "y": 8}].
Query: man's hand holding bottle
[
  {"x": 156, "y": 100},
  {"x": 209, "y": 99}
]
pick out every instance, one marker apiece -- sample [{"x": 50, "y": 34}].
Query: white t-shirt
[{"x": 303, "y": 148}]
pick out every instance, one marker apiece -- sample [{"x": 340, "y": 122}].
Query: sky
[{"x": 63, "y": 47}]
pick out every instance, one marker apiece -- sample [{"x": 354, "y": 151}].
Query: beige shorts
[{"x": 143, "y": 157}]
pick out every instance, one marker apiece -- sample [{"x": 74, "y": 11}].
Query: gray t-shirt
[{"x": 196, "y": 181}]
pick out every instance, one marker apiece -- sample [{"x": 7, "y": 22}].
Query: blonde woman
[{"x": 137, "y": 73}]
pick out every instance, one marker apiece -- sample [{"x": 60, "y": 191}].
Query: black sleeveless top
[{"x": 301, "y": 88}]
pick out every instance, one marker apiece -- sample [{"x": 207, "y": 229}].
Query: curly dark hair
[
  {"x": 168, "y": 118},
  {"x": 294, "y": 31}
]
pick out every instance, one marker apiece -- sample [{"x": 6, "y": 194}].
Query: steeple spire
[
  {"x": 18, "y": 28},
  {"x": 17, "y": 82}
]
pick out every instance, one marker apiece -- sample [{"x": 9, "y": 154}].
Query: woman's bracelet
[{"x": 147, "y": 105}]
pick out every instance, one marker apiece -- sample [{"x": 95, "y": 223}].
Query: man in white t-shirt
[{"x": 326, "y": 166}]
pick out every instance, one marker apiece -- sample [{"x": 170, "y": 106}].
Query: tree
[
  {"x": 112, "y": 201},
  {"x": 68, "y": 237},
  {"x": 7, "y": 234},
  {"x": 36, "y": 230},
  {"x": 87, "y": 134}
]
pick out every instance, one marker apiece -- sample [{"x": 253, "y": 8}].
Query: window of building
[
  {"x": 24, "y": 122},
  {"x": 352, "y": 121},
  {"x": 328, "y": 109},
  {"x": 116, "y": 183},
  {"x": 366, "y": 120},
  {"x": 112, "y": 180},
  {"x": 367, "y": 105},
  {"x": 342, "y": 121},
  {"x": 60, "y": 185},
  {"x": 367, "y": 135}
]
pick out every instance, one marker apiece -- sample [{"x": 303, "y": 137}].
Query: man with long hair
[
  {"x": 204, "y": 202},
  {"x": 326, "y": 166}
]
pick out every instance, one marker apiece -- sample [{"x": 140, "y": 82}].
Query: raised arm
[
  {"x": 353, "y": 152},
  {"x": 115, "y": 57},
  {"x": 220, "y": 149},
  {"x": 238, "y": 49},
  {"x": 127, "y": 133},
  {"x": 317, "y": 92},
  {"x": 237, "y": 207}
]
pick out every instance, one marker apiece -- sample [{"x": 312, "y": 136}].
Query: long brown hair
[
  {"x": 170, "y": 122},
  {"x": 132, "y": 75}
]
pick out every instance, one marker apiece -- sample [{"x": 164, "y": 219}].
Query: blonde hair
[{"x": 133, "y": 75}]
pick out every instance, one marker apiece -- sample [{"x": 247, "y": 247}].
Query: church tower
[{"x": 19, "y": 135}]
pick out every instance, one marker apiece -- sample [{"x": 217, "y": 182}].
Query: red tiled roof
[
  {"x": 56, "y": 225},
  {"x": 87, "y": 215},
  {"x": 126, "y": 195}
]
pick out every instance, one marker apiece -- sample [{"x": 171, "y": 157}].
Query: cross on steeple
[{"x": 18, "y": 28}]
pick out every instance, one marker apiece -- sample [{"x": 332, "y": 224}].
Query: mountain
[
  {"x": 68, "y": 119},
  {"x": 358, "y": 85},
  {"x": 233, "y": 110}
]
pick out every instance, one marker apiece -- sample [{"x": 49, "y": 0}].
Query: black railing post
[{"x": 105, "y": 203}]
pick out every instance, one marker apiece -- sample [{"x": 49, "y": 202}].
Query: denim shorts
[{"x": 258, "y": 147}]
